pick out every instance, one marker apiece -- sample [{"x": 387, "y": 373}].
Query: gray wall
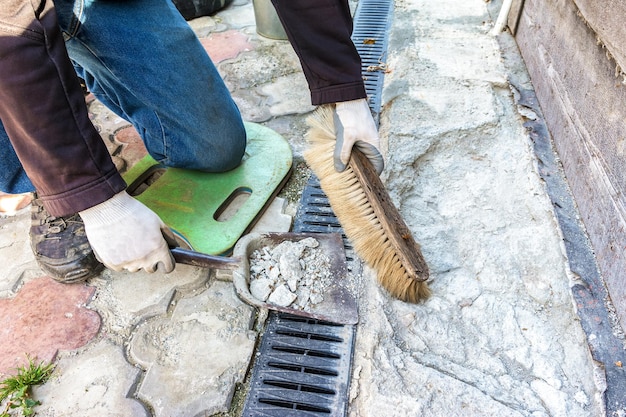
[{"x": 583, "y": 102}]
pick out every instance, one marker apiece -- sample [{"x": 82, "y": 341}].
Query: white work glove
[
  {"x": 354, "y": 126},
  {"x": 125, "y": 234}
]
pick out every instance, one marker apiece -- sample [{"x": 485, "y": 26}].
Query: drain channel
[
  {"x": 315, "y": 215},
  {"x": 303, "y": 365},
  {"x": 372, "y": 21}
]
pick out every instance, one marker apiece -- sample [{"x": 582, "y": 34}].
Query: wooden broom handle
[{"x": 394, "y": 226}]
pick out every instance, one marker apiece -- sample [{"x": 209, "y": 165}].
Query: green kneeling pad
[{"x": 211, "y": 211}]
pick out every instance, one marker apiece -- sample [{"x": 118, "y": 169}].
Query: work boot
[
  {"x": 190, "y": 9},
  {"x": 61, "y": 247}
]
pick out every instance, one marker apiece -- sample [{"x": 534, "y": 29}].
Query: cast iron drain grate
[
  {"x": 302, "y": 368},
  {"x": 315, "y": 215},
  {"x": 303, "y": 365},
  {"x": 372, "y": 20}
]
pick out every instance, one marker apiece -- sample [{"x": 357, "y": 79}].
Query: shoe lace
[{"x": 55, "y": 225}]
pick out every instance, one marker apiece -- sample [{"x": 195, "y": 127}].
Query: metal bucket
[{"x": 267, "y": 22}]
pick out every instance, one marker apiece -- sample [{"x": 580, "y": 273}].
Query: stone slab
[
  {"x": 98, "y": 382},
  {"x": 194, "y": 358},
  {"x": 43, "y": 318}
]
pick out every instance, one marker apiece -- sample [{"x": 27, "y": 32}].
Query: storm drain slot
[
  {"x": 372, "y": 21},
  {"x": 303, "y": 365},
  {"x": 315, "y": 215},
  {"x": 314, "y": 212}
]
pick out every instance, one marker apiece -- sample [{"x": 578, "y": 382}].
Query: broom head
[{"x": 385, "y": 245}]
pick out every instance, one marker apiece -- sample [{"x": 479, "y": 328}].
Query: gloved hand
[
  {"x": 354, "y": 126},
  {"x": 125, "y": 234}
]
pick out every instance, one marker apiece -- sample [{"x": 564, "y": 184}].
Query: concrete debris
[{"x": 292, "y": 274}]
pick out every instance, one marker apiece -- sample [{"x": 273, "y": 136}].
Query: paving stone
[
  {"x": 225, "y": 45},
  {"x": 251, "y": 104},
  {"x": 132, "y": 146},
  {"x": 15, "y": 245},
  {"x": 205, "y": 25},
  {"x": 97, "y": 382},
  {"x": 268, "y": 61},
  {"x": 194, "y": 358},
  {"x": 297, "y": 102},
  {"x": 43, "y": 318},
  {"x": 124, "y": 299}
]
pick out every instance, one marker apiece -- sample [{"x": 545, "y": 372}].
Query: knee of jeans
[
  {"x": 220, "y": 153},
  {"x": 230, "y": 154}
]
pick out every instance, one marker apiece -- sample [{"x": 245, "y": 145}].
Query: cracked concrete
[{"x": 500, "y": 334}]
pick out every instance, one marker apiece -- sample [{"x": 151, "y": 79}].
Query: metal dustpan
[{"x": 338, "y": 305}]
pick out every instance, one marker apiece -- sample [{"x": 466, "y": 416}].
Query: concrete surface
[
  {"x": 581, "y": 89},
  {"x": 500, "y": 336}
]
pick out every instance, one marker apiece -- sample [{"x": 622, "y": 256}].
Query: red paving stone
[
  {"x": 225, "y": 45},
  {"x": 133, "y": 148},
  {"x": 43, "y": 318}
]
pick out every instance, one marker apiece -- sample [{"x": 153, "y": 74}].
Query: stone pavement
[{"x": 500, "y": 336}]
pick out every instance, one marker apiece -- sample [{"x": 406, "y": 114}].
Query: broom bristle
[{"x": 354, "y": 212}]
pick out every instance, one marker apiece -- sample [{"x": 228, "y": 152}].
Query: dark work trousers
[
  {"x": 320, "y": 32},
  {"x": 43, "y": 110}
]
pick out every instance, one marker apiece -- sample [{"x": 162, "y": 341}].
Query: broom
[{"x": 365, "y": 211}]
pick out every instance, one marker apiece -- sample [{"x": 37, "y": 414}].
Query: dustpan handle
[{"x": 189, "y": 257}]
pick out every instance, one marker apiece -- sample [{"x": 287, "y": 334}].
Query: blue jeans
[{"x": 141, "y": 59}]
